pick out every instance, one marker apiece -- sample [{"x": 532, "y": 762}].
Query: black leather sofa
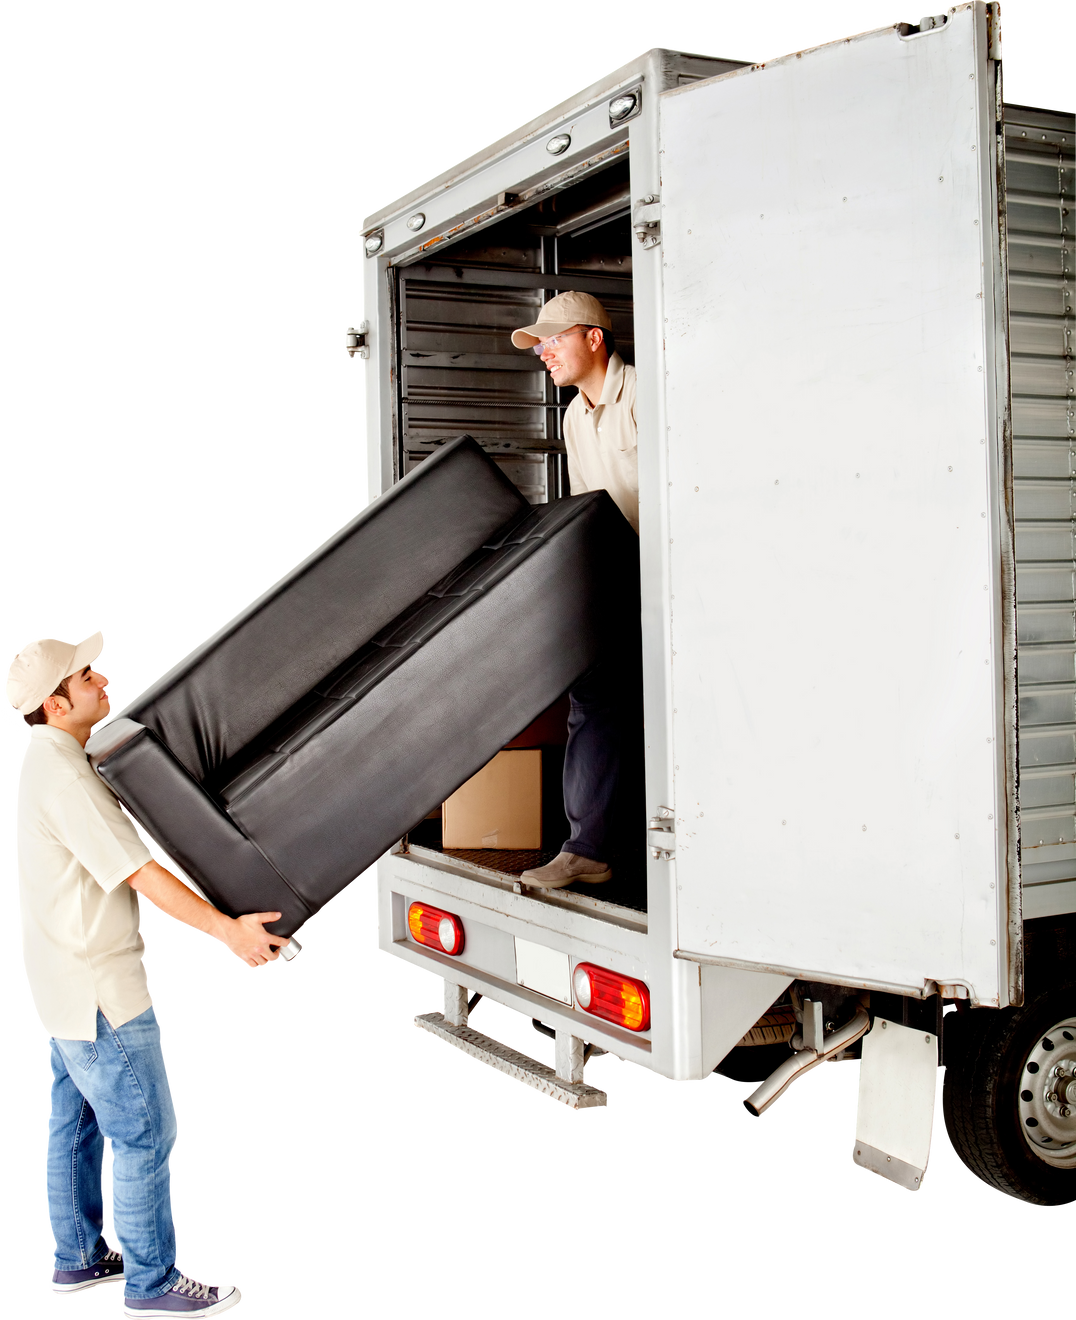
[{"x": 293, "y": 748}]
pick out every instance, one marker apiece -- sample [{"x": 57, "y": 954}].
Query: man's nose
[{"x": 100, "y": 680}]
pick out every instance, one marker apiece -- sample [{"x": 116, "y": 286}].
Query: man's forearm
[
  {"x": 246, "y": 936},
  {"x": 171, "y": 895}
]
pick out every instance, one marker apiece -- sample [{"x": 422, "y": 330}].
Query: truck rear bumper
[{"x": 494, "y": 918}]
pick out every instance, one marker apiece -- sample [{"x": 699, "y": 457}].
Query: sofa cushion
[
  {"x": 440, "y": 690},
  {"x": 221, "y": 697}
]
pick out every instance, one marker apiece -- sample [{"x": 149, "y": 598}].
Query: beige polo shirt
[
  {"x": 79, "y": 920},
  {"x": 602, "y": 440}
]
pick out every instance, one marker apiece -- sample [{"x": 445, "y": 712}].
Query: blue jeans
[
  {"x": 115, "y": 1087},
  {"x": 592, "y": 761}
]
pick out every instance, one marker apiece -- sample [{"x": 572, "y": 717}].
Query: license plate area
[{"x": 546, "y": 971}]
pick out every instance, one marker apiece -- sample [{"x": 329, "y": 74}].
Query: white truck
[{"x": 845, "y": 278}]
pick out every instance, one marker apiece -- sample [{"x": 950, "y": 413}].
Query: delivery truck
[{"x": 845, "y": 279}]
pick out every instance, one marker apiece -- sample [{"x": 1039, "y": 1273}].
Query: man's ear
[{"x": 55, "y": 705}]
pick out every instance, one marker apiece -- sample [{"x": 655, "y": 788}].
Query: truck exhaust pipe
[{"x": 767, "y": 1090}]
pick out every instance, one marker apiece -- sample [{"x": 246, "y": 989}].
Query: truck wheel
[{"x": 1010, "y": 1097}]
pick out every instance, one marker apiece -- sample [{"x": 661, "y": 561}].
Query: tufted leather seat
[{"x": 287, "y": 753}]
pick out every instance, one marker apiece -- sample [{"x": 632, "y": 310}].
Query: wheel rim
[{"x": 1047, "y": 1096}]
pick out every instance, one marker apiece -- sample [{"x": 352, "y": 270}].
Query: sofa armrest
[
  {"x": 110, "y": 739},
  {"x": 185, "y": 820}
]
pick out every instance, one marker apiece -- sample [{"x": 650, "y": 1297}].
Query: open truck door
[
  {"x": 839, "y": 517},
  {"x": 839, "y": 535}
]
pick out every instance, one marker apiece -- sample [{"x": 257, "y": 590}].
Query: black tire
[
  {"x": 998, "y": 1066},
  {"x": 753, "y": 1063}
]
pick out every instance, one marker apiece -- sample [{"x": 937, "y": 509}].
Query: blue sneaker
[
  {"x": 185, "y": 1297},
  {"x": 109, "y": 1267}
]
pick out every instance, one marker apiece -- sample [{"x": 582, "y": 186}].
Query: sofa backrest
[{"x": 212, "y": 704}]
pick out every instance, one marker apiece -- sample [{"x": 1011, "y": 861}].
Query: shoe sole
[
  {"x": 598, "y": 879},
  {"x": 89, "y": 1283},
  {"x": 215, "y": 1308}
]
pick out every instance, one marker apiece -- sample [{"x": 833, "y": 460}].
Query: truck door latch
[
  {"x": 660, "y": 834},
  {"x": 646, "y": 220}
]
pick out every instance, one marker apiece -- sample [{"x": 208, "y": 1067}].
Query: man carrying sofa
[{"x": 81, "y": 867}]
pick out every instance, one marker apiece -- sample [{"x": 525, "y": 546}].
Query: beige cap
[
  {"x": 560, "y": 314},
  {"x": 39, "y": 669}
]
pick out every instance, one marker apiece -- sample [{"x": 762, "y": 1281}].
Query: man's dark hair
[
  {"x": 38, "y": 716},
  {"x": 607, "y": 338}
]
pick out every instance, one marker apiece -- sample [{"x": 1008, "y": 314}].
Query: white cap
[
  {"x": 39, "y": 669},
  {"x": 560, "y": 314}
]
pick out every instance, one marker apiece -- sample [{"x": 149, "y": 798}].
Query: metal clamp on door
[
  {"x": 646, "y": 220},
  {"x": 932, "y": 23},
  {"x": 660, "y": 834}
]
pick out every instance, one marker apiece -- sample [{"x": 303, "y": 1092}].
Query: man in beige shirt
[
  {"x": 573, "y": 337},
  {"x": 81, "y": 868}
]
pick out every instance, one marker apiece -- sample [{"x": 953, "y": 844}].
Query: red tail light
[
  {"x": 618, "y": 999},
  {"x": 437, "y": 929}
]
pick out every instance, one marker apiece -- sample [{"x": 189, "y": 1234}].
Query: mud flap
[{"x": 897, "y": 1081}]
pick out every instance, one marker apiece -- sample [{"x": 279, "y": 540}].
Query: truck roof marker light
[
  {"x": 374, "y": 243},
  {"x": 434, "y": 928},
  {"x": 416, "y": 221},
  {"x": 619, "y": 999},
  {"x": 558, "y": 145},
  {"x": 620, "y": 107}
]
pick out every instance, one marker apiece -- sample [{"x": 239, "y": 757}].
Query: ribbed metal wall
[
  {"x": 1039, "y": 196},
  {"x": 456, "y": 368}
]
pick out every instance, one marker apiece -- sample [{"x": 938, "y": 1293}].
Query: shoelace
[{"x": 192, "y": 1289}]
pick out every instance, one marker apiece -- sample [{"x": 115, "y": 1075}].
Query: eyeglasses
[{"x": 554, "y": 340}]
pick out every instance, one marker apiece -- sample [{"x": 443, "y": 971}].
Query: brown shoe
[{"x": 563, "y": 869}]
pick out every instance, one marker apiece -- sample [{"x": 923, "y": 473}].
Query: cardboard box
[{"x": 500, "y": 807}]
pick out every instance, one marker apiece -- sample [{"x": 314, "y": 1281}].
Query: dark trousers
[{"x": 592, "y": 761}]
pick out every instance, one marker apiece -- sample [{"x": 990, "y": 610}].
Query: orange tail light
[
  {"x": 434, "y": 928},
  {"x": 619, "y": 999}
]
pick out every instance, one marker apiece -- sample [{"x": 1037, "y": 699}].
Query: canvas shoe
[
  {"x": 563, "y": 869},
  {"x": 109, "y": 1267},
  {"x": 185, "y": 1297}
]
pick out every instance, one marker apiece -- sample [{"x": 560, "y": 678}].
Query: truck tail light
[
  {"x": 615, "y": 998},
  {"x": 437, "y": 929}
]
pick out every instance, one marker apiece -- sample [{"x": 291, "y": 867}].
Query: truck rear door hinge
[
  {"x": 354, "y": 339},
  {"x": 660, "y": 834},
  {"x": 646, "y": 220}
]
